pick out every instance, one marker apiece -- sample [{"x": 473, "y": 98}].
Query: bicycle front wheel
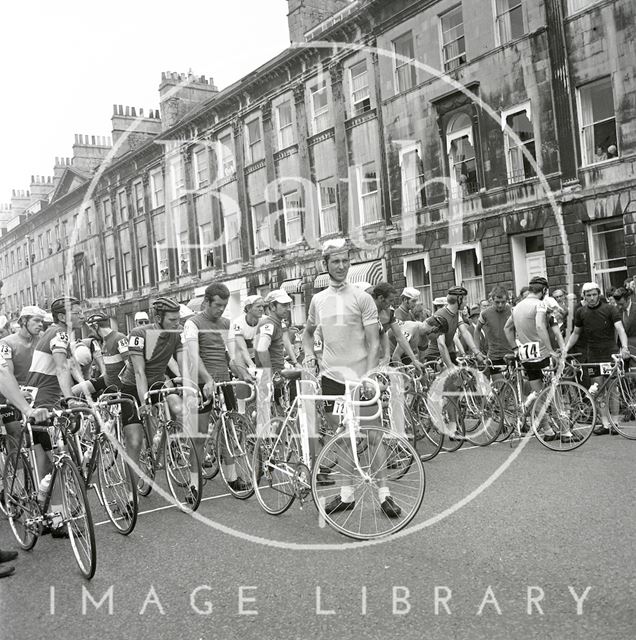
[
  {"x": 483, "y": 417},
  {"x": 210, "y": 461},
  {"x": 183, "y": 471},
  {"x": 427, "y": 440},
  {"x": 76, "y": 515},
  {"x": 621, "y": 396},
  {"x": 563, "y": 416},
  {"x": 20, "y": 500},
  {"x": 235, "y": 448},
  {"x": 116, "y": 486},
  {"x": 371, "y": 514},
  {"x": 146, "y": 465},
  {"x": 511, "y": 415},
  {"x": 275, "y": 466}
]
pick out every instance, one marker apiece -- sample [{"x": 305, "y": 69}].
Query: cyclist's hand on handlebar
[
  {"x": 38, "y": 415},
  {"x": 144, "y": 410},
  {"x": 208, "y": 389},
  {"x": 625, "y": 353}
]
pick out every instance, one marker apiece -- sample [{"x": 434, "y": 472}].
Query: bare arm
[
  {"x": 622, "y": 335},
  {"x": 11, "y": 391},
  {"x": 308, "y": 341},
  {"x": 468, "y": 338},
  {"x": 573, "y": 339},
  {"x": 402, "y": 341},
  {"x": 509, "y": 330},
  {"x": 139, "y": 367},
  {"x": 373, "y": 346},
  {"x": 63, "y": 373}
]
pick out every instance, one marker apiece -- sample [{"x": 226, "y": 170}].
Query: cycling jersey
[
  {"x": 20, "y": 352},
  {"x": 115, "y": 355},
  {"x": 492, "y": 323},
  {"x": 211, "y": 337},
  {"x": 42, "y": 373},
  {"x": 273, "y": 329},
  {"x": 525, "y": 316},
  {"x": 454, "y": 320},
  {"x": 157, "y": 347},
  {"x": 597, "y": 327},
  {"x": 241, "y": 327}
]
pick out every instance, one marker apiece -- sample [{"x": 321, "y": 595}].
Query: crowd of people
[{"x": 351, "y": 329}]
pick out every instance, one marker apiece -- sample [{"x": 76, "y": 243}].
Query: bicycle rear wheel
[
  {"x": 483, "y": 417},
  {"x": 563, "y": 416},
  {"x": 116, "y": 486},
  {"x": 77, "y": 517},
  {"x": 427, "y": 440},
  {"x": 7, "y": 444},
  {"x": 275, "y": 466},
  {"x": 235, "y": 444},
  {"x": 508, "y": 397},
  {"x": 621, "y": 394},
  {"x": 367, "y": 517},
  {"x": 21, "y": 504},
  {"x": 183, "y": 471}
]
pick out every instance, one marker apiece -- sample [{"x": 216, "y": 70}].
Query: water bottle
[
  {"x": 43, "y": 488},
  {"x": 593, "y": 389}
]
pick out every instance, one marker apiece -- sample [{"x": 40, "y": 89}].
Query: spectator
[
  {"x": 612, "y": 152},
  {"x": 624, "y": 301},
  {"x": 600, "y": 155}
]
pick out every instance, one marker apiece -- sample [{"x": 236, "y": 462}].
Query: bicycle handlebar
[{"x": 237, "y": 383}]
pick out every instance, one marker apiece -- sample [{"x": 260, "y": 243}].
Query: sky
[{"x": 65, "y": 63}]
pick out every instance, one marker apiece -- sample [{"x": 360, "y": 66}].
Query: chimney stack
[
  {"x": 41, "y": 187},
  {"x": 20, "y": 200},
  {"x": 89, "y": 151},
  {"x": 135, "y": 126},
  {"x": 306, "y": 14},
  {"x": 179, "y": 93}
]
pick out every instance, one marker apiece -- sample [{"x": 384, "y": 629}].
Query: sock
[
  {"x": 229, "y": 471},
  {"x": 347, "y": 494},
  {"x": 383, "y": 493}
]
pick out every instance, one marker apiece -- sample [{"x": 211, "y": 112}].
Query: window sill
[{"x": 602, "y": 163}]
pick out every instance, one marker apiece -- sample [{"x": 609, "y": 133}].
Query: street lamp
[{"x": 29, "y": 261}]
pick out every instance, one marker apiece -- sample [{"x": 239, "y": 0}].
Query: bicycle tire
[
  {"x": 366, "y": 520},
  {"x": 567, "y": 407},
  {"x": 508, "y": 396},
  {"x": 275, "y": 462},
  {"x": 179, "y": 456},
  {"x": 622, "y": 401},
  {"x": 146, "y": 465},
  {"x": 209, "y": 460},
  {"x": 5, "y": 438},
  {"x": 116, "y": 486},
  {"x": 449, "y": 445},
  {"x": 76, "y": 514},
  {"x": 427, "y": 440},
  {"x": 240, "y": 449},
  {"x": 20, "y": 499},
  {"x": 486, "y": 417}
]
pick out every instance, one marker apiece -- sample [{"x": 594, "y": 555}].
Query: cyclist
[
  {"x": 446, "y": 348},
  {"x": 528, "y": 331},
  {"x": 150, "y": 348},
  {"x": 114, "y": 353},
  {"x": 208, "y": 342},
  {"x": 383, "y": 295},
  {"x": 599, "y": 322},
  {"x": 408, "y": 300},
  {"x": 50, "y": 374},
  {"x": 348, "y": 319},
  {"x": 490, "y": 326},
  {"x": 624, "y": 303},
  {"x": 17, "y": 351},
  {"x": 141, "y": 319},
  {"x": 244, "y": 330}
]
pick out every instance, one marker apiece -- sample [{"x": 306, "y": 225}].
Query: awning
[
  {"x": 291, "y": 286},
  {"x": 195, "y": 304},
  {"x": 370, "y": 272}
]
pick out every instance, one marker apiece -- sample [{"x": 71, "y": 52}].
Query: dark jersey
[
  {"x": 274, "y": 330},
  {"x": 157, "y": 347},
  {"x": 115, "y": 355}
]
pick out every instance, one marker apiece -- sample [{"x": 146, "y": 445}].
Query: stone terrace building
[{"x": 432, "y": 186}]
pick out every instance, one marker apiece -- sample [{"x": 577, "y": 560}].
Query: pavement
[{"x": 503, "y": 547}]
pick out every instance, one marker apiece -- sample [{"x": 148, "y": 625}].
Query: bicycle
[
  {"x": 28, "y": 516},
  {"x": 618, "y": 391},
  {"x": 230, "y": 437},
  {"x": 166, "y": 445},
  {"x": 97, "y": 449},
  {"x": 562, "y": 415},
  {"x": 355, "y": 456}
]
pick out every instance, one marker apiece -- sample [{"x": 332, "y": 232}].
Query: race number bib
[
  {"x": 529, "y": 351},
  {"x": 5, "y": 350},
  {"x": 136, "y": 342},
  {"x": 338, "y": 408},
  {"x": 122, "y": 346},
  {"x": 606, "y": 368}
]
